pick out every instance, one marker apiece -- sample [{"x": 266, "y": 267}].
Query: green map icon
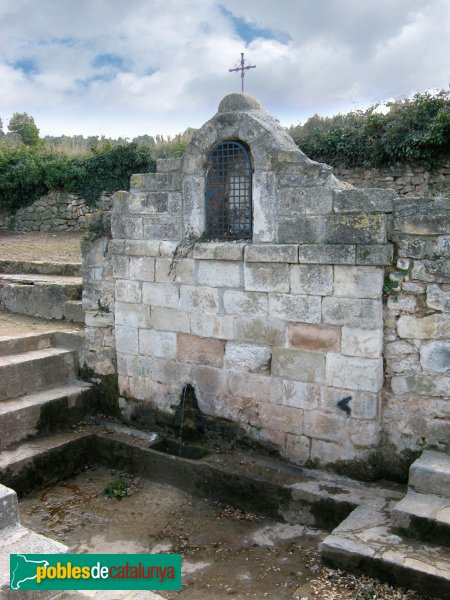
[{"x": 23, "y": 569}]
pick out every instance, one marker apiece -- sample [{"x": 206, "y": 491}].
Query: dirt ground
[
  {"x": 58, "y": 246},
  {"x": 227, "y": 553}
]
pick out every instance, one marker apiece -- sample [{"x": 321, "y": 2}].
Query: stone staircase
[
  {"x": 39, "y": 390},
  {"x": 405, "y": 542},
  {"x": 39, "y": 394},
  {"x": 41, "y": 289}
]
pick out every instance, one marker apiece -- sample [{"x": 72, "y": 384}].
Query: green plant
[
  {"x": 117, "y": 489},
  {"x": 416, "y": 129},
  {"x": 390, "y": 288}
]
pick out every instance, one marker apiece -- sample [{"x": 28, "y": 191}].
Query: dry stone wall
[
  {"x": 56, "y": 211},
  {"x": 417, "y": 327},
  {"x": 408, "y": 180}
]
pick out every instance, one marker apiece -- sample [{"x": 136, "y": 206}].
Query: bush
[
  {"x": 27, "y": 173},
  {"x": 416, "y": 129}
]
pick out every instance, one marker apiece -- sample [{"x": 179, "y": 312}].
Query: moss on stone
[{"x": 105, "y": 394}]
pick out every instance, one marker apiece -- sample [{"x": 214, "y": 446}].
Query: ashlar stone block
[
  {"x": 374, "y": 254},
  {"x": 260, "y": 331},
  {"x": 352, "y": 312},
  {"x": 272, "y": 253},
  {"x": 301, "y": 395},
  {"x": 219, "y": 251},
  {"x": 323, "y": 338},
  {"x": 326, "y": 426},
  {"x": 355, "y": 228},
  {"x": 309, "y": 200},
  {"x": 367, "y": 343},
  {"x": 142, "y": 247},
  {"x": 174, "y": 271},
  {"x": 245, "y": 303},
  {"x": 293, "y": 307},
  {"x": 128, "y": 291},
  {"x": 245, "y": 357},
  {"x": 210, "y": 325},
  {"x": 160, "y": 294},
  {"x": 316, "y": 280},
  {"x": 327, "y": 254},
  {"x": 264, "y": 277},
  {"x": 364, "y": 200},
  {"x": 204, "y": 351},
  {"x": 126, "y": 339},
  {"x": 142, "y": 268},
  {"x": 199, "y": 298},
  {"x": 220, "y": 274},
  {"x": 351, "y": 403},
  {"x": 298, "y": 365},
  {"x": 354, "y": 373},
  {"x": 170, "y": 319},
  {"x": 358, "y": 282},
  {"x": 162, "y": 344},
  {"x": 131, "y": 315},
  {"x": 286, "y": 419}
]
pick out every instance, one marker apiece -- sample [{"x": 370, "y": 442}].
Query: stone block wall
[
  {"x": 56, "y": 211},
  {"x": 408, "y": 180},
  {"x": 417, "y": 327},
  {"x": 282, "y": 334},
  {"x": 98, "y": 304},
  {"x": 289, "y": 349}
]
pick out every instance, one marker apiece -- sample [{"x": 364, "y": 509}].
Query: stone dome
[{"x": 240, "y": 103}]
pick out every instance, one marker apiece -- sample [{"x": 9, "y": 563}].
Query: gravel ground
[{"x": 59, "y": 246}]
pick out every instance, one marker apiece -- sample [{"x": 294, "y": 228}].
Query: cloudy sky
[{"x": 130, "y": 67}]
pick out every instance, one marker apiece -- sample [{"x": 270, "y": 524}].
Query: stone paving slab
[
  {"x": 365, "y": 541},
  {"x": 20, "y": 540}
]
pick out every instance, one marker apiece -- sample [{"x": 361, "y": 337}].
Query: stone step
[
  {"x": 20, "y": 540},
  {"x": 9, "y": 507},
  {"x": 41, "y": 412},
  {"x": 40, "y": 267},
  {"x": 430, "y": 473},
  {"x": 24, "y": 343},
  {"x": 30, "y": 464},
  {"x": 424, "y": 516},
  {"x": 73, "y": 311},
  {"x": 366, "y": 542},
  {"x": 36, "y": 370},
  {"x": 41, "y": 296}
]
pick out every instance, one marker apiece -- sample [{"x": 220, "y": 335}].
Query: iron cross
[{"x": 242, "y": 68}]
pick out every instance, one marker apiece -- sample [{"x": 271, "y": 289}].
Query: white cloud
[{"x": 169, "y": 59}]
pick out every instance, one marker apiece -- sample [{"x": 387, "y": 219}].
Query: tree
[{"x": 23, "y": 125}]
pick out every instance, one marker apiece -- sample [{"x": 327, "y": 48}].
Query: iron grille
[{"x": 228, "y": 195}]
